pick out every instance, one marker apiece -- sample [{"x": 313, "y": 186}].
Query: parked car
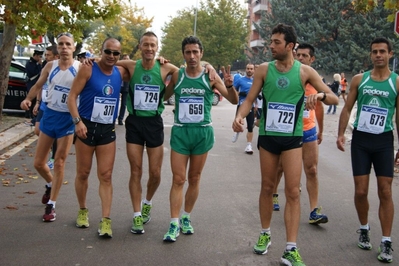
[
  {"x": 16, "y": 91},
  {"x": 22, "y": 59}
]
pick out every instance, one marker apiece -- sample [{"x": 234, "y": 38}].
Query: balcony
[
  {"x": 257, "y": 9},
  {"x": 253, "y": 26},
  {"x": 256, "y": 43}
]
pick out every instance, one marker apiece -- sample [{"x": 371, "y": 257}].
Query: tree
[
  {"x": 221, "y": 27},
  {"x": 127, "y": 28},
  {"x": 341, "y": 41},
  {"x": 21, "y": 16},
  {"x": 364, "y": 6}
]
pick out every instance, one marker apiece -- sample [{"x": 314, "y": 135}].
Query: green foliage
[
  {"x": 221, "y": 27},
  {"x": 127, "y": 28},
  {"x": 340, "y": 35}
]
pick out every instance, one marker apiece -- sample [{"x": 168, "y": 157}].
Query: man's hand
[
  {"x": 228, "y": 78},
  {"x": 81, "y": 130},
  {"x": 162, "y": 60},
  {"x": 341, "y": 143},
  {"x": 25, "y": 104},
  {"x": 238, "y": 124},
  {"x": 89, "y": 61}
]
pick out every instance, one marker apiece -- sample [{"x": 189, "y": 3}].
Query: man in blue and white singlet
[
  {"x": 56, "y": 122},
  {"x": 98, "y": 87}
]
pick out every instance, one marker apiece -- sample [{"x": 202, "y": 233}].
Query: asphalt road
[{"x": 225, "y": 218}]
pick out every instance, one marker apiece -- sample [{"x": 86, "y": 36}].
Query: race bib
[
  {"x": 372, "y": 119},
  {"x": 280, "y": 117},
  {"x": 191, "y": 109},
  {"x": 59, "y": 98},
  {"x": 103, "y": 110},
  {"x": 306, "y": 112},
  {"x": 146, "y": 97}
]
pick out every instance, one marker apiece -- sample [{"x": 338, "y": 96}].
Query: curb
[{"x": 14, "y": 134}]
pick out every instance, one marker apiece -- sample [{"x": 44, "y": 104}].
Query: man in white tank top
[{"x": 56, "y": 122}]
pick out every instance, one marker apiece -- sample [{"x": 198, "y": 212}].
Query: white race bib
[
  {"x": 191, "y": 109},
  {"x": 280, "y": 117},
  {"x": 103, "y": 110},
  {"x": 146, "y": 97},
  {"x": 372, "y": 119},
  {"x": 59, "y": 98}
]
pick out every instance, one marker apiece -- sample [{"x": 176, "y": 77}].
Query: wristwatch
[{"x": 76, "y": 120}]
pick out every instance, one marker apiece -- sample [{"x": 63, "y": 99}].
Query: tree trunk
[{"x": 6, "y": 53}]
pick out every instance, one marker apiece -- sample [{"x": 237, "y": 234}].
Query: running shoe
[
  {"x": 185, "y": 225},
  {"x": 235, "y": 137},
  {"x": 316, "y": 217},
  {"x": 276, "y": 206},
  {"x": 50, "y": 164},
  {"x": 49, "y": 213},
  {"x": 385, "y": 252},
  {"x": 104, "y": 228},
  {"x": 146, "y": 212},
  {"x": 364, "y": 239},
  {"x": 46, "y": 195},
  {"x": 292, "y": 258},
  {"x": 83, "y": 218},
  {"x": 263, "y": 244},
  {"x": 248, "y": 149},
  {"x": 172, "y": 233},
  {"x": 137, "y": 225}
]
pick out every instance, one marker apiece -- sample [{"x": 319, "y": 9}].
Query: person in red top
[
  {"x": 344, "y": 84},
  {"x": 311, "y": 140}
]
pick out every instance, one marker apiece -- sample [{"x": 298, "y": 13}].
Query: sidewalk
[{"x": 12, "y": 129}]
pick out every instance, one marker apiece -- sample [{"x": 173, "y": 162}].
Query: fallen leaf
[
  {"x": 30, "y": 192},
  {"x": 65, "y": 182},
  {"x": 16, "y": 169},
  {"x": 10, "y": 207}
]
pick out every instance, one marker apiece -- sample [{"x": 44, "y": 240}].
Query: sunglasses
[
  {"x": 114, "y": 53},
  {"x": 65, "y": 34}
]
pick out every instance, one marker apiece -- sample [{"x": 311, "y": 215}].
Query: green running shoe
[
  {"x": 172, "y": 234},
  {"x": 83, "y": 218},
  {"x": 385, "y": 252},
  {"x": 292, "y": 258},
  {"x": 146, "y": 212},
  {"x": 137, "y": 225},
  {"x": 263, "y": 244},
  {"x": 185, "y": 225},
  {"x": 104, "y": 229}
]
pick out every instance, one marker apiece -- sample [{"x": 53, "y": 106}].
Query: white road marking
[{"x": 5, "y": 156}]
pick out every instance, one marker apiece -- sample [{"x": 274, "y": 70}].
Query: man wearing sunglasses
[
  {"x": 56, "y": 122},
  {"x": 98, "y": 87}
]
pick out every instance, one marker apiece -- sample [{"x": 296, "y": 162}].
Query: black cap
[{"x": 38, "y": 52}]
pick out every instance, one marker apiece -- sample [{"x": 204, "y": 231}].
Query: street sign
[{"x": 396, "y": 29}]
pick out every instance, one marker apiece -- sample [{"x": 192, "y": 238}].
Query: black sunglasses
[
  {"x": 114, "y": 53},
  {"x": 65, "y": 34}
]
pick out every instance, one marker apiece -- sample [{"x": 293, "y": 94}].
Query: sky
[{"x": 161, "y": 10}]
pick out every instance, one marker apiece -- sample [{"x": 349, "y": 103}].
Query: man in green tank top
[
  {"x": 282, "y": 84},
  {"x": 376, "y": 93},
  {"x": 144, "y": 125},
  {"x": 192, "y": 133}
]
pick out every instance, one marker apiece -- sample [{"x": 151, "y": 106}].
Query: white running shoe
[
  {"x": 248, "y": 149},
  {"x": 235, "y": 137}
]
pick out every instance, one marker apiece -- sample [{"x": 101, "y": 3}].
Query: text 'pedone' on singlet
[
  {"x": 376, "y": 101},
  {"x": 146, "y": 91},
  {"x": 283, "y": 96}
]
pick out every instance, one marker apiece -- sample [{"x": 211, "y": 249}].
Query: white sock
[
  {"x": 174, "y": 220},
  {"x": 49, "y": 184},
  {"x": 265, "y": 230},
  {"x": 366, "y": 226},
  {"x": 148, "y": 202},
  {"x": 386, "y": 238},
  {"x": 185, "y": 214},
  {"x": 136, "y": 214},
  {"x": 290, "y": 245},
  {"x": 51, "y": 202}
]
